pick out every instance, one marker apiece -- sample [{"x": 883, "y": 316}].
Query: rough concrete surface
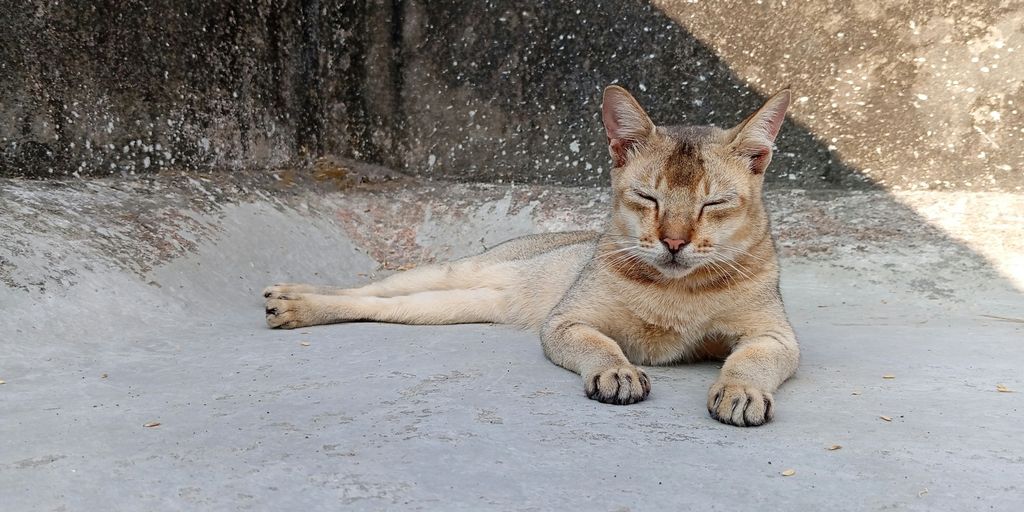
[{"x": 127, "y": 303}]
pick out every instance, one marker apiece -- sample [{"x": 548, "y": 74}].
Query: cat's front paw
[
  {"x": 735, "y": 403},
  {"x": 288, "y": 311},
  {"x": 619, "y": 385}
]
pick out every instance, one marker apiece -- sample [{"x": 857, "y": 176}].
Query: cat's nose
[{"x": 674, "y": 244}]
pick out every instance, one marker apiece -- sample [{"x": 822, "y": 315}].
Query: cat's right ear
[{"x": 625, "y": 122}]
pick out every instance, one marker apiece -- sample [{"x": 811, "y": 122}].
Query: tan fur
[{"x": 604, "y": 302}]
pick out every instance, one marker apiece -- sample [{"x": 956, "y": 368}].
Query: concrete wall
[
  {"x": 899, "y": 94},
  {"x": 109, "y": 87}
]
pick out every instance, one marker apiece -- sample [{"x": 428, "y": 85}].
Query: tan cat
[{"x": 685, "y": 270}]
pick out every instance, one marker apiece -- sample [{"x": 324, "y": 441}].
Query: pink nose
[{"x": 674, "y": 245}]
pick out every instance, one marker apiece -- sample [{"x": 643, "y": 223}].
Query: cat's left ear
[{"x": 755, "y": 136}]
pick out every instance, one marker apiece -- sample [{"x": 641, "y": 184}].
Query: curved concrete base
[{"x": 127, "y": 304}]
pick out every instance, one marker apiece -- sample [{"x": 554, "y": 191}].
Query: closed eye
[
  {"x": 710, "y": 204},
  {"x": 646, "y": 197}
]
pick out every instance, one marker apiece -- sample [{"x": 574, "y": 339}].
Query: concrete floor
[{"x": 469, "y": 417}]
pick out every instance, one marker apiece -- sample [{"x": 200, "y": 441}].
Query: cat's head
[{"x": 686, "y": 197}]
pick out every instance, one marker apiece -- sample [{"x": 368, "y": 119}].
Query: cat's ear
[
  {"x": 625, "y": 122},
  {"x": 755, "y": 136}
]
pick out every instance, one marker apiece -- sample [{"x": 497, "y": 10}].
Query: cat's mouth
[{"x": 675, "y": 266}]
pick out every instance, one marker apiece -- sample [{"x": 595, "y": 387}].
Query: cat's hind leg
[
  {"x": 465, "y": 273},
  {"x": 478, "y": 305}
]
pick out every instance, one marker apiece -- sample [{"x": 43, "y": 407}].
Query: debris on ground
[{"x": 1005, "y": 318}]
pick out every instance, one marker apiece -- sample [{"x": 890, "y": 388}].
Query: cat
[{"x": 685, "y": 270}]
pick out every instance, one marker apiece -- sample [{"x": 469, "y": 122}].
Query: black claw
[
  {"x": 735, "y": 403},
  {"x": 717, "y": 401},
  {"x": 594, "y": 392}
]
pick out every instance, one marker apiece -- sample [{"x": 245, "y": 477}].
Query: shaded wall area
[
  {"x": 899, "y": 94},
  {"x": 111, "y": 87}
]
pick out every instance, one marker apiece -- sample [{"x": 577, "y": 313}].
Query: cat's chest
[
  {"x": 674, "y": 311},
  {"x": 667, "y": 329}
]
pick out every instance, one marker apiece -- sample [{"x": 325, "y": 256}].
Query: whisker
[
  {"x": 616, "y": 251},
  {"x": 740, "y": 265},
  {"x": 721, "y": 271},
  {"x": 615, "y": 257},
  {"x": 629, "y": 260},
  {"x": 743, "y": 273},
  {"x": 742, "y": 252}
]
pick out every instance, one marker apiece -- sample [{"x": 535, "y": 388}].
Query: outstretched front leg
[
  {"x": 464, "y": 273},
  {"x": 607, "y": 375},
  {"x": 763, "y": 358}
]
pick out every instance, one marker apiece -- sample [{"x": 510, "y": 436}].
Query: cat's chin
[{"x": 674, "y": 269}]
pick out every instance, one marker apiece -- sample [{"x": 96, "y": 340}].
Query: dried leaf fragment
[
  {"x": 3, "y": 382},
  {"x": 152, "y": 424},
  {"x": 999, "y": 387},
  {"x": 834, "y": 447},
  {"x": 103, "y": 375},
  {"x": 888, "y": 376},
  {"x": 330, "y": 169},
  {"x": 855, "y": 393},
  {"x": 886, "y": 418},
  {"x": 304, "y": 343},
  {"x": 789, "y": 472}
]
